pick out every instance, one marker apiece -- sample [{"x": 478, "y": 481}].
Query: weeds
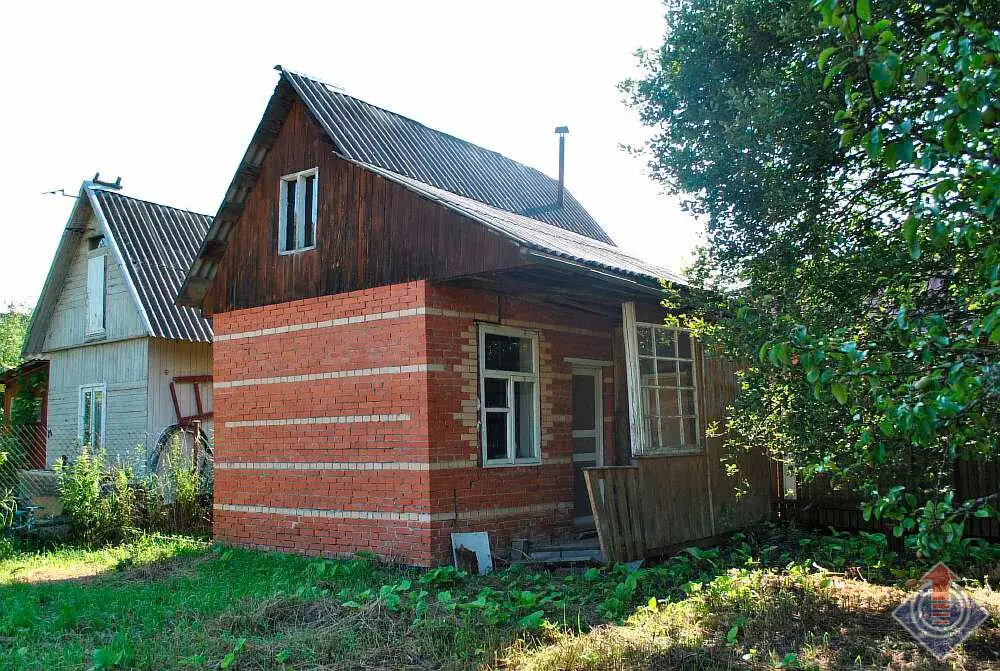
[{"x": 757, "y": 602}]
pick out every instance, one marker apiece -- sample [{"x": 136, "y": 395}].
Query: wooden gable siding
[
  {"x": 370, "y": 232},
  {"x": 67, "y": 324}
]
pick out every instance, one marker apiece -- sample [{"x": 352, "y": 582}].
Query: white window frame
[
  {"x": 511, "y": 376},
  {"x": 641, "y": 440},
  {"x": 99, "y": 330},
  {"x": 300, "y": 209},
  {"x": 103, "y": 388}
]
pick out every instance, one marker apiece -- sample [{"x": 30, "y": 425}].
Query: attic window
[
  {"x": 97, "y": 242},
  {"x": 297, "y": 210}
]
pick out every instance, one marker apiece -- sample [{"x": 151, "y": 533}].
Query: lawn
[{"x": 771, "y": 599}]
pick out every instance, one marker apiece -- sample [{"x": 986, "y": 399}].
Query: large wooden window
[
  {"x": 96, "y": 286},
  {"x": 663, "y": 388},
  {"x": 92, "y": 415},
  {"x": 510, "y": 430},
  {"x": 297, "y": 211}
]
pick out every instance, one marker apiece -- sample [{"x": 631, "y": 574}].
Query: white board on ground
[{"x": 478, "y": 542}]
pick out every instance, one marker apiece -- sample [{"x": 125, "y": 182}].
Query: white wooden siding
[
  {"x": 69, "y": 319},
  {"x": 123, "y": 367},
  {"x": 169, "y": 359}
]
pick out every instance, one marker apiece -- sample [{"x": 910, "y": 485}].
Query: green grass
[{"x": 176, "y": 603}]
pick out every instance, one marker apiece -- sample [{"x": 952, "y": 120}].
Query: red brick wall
[
  {"x": 349, "y": 422},
  {"x": 543, "y": 492}
]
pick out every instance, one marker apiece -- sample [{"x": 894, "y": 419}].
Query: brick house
[{"x": 416, "y": 336}]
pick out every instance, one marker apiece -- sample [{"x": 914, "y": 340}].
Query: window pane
[
  {"x": 686, "y": 375},
  {"x": 687, "y": 401},
  {"x": 289, "y": 215},
  {"x": 645, "y": 340},
  {"x": 653, "y": 430},
  {"x": 496, "y": 392},
  {"x": 584, "y": 402},
  {"x": 665, "y": 345},
  {"x": 671, "y": 432},
  {"x": 508, "y": 353},
  {"x": 668, "y": 403},
  {"x": 496, "y": 435},
  {"x": 691, "y": 436},
  {"x": 649, "y": 407},
  {"x": 684, "y": 344},
  {"x": 524, "y": 420},
  {"x": 666, "y": 373},
  {"x": 98, "y": 418},
  {"x": 87, "y": 421},
  {"x": 310, "y": 226}
]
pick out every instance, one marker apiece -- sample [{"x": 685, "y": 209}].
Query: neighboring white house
[{"x": 107, "y": 323}]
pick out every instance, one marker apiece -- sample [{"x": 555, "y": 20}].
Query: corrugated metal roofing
[
  {"x": 540, "y": 236},
  {"x": 157, "y": 245},
  {"x": 375, "y": 136}
]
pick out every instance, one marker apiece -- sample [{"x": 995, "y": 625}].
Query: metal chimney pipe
[{"x": 562, "y": 131}]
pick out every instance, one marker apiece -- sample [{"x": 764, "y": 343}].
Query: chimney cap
[{"x": 562, "y": 130}]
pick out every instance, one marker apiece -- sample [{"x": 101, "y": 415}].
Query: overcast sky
[{"x": 168, "y": 99}]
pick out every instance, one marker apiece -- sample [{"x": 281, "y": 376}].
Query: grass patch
[{"x": 175, "y": 603}]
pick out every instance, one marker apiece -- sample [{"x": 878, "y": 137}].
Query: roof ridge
[
  {"x": 343, "y": 91},
  {"x": 147, "y": 201}
]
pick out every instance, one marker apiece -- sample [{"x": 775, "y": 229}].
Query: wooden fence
[
  {"x": 614, "y": 492},
  {"x": 816, "y": 505}
]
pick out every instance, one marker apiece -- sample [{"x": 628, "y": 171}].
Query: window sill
[
  {"x": 679, "y": 452},
  {"x": 512, "y": 464},
  {"x": 293, "y": 252},
  {"x": 96, "y": 335}
]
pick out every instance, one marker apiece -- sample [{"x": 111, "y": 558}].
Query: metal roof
[
  {"x": 539, "y": 236},
  {"x": 157, "y": 244},
  {"x": 374, "y": 136}
]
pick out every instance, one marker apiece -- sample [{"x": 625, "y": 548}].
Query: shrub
[
  {"x": 174, "y": 498},
  {"x": 100, "y": 502}
]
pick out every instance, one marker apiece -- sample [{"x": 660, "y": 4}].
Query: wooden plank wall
[
  {"x": 370, "y": 232},
  {"x": 682, "y": 498}
]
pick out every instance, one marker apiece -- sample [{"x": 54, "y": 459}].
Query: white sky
[{"x": 169, "y": 98}]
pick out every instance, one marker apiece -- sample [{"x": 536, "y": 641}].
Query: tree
[
  {"x": 13, "y": 329},
  {"x": 846, "y": 159}
]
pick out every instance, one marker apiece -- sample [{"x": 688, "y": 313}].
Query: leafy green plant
[
  {"x": 844, "y": 156},
  {"x": 100, "y": 501},
  {"x": 8, "y": 508}
]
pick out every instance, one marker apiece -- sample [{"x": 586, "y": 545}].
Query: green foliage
[
  {"x": 846, "y": 159},
  {"x": 99, "y": 501},
  {"x": 171, "y": 602},
  {"x": 13, "y": 329},
  {"x": 174, "y": 502},
  {"x": 8, "y": 506}
]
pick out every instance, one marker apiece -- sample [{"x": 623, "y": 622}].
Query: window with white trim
[
  {"x": 510, "y": 431},
  {"x": 668, "y": 389},
  {"x": 297, "y": 211},
  {"x": 92, "y": 415}
]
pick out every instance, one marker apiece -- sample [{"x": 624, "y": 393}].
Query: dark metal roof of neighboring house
[
  {"x": 157, "y": 245},
  {"x": 539, "y": 236},
  {"x": 368, "y": 134}
]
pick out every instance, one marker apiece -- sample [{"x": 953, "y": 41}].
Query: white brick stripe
[
  {"x": 342, "y": 419},
  {"x": 332, "y": 375},
  {"x": 400, "y": 314},
  {"x": 473, "y": 515},
  {"x": 342, "y": 465},
  {"x": 316, "y": 512}
]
